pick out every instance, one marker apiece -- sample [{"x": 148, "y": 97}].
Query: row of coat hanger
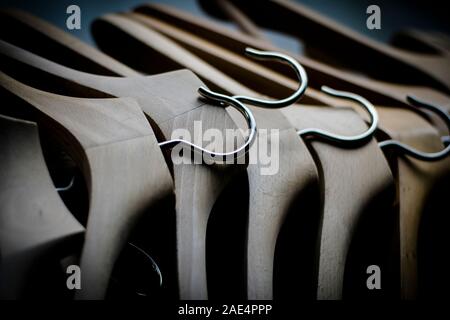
[{"x": 76, "y": 95}]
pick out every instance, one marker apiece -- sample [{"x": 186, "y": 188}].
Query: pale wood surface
[
  {"x": 108, "y": 135},
  {"x": 172, "y": 102},
  {"x": 243, "y": 68},
  {"x": 351, "y": 178},
  {"x": 413, "y": 188},
  {"x": 415, "y": 181},
  {"x": 411, "y": 205},
  {"x": 261, "y": 212},
  {"x": 347, "y": 44},
  {"x": 332, "y": 290},
  {"x": 33, "y": 218},
  {"x": 244, "y": 24},
  {"x": 248, "y": 72},
  {"x": 377, "y": 91},
  {"x": 297, "y": 169}
]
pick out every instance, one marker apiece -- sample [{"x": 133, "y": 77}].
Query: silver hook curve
[
  {"x": 227, "y": 100},
  {"x": 276, "y": 56},
  {"x": 238, "y": 100},
  {"x": 154, "y": 264},
  {"x": 69, "y": 186},
  {"x": 340, "y": 138},
  {"x": 425, "y": 156}
]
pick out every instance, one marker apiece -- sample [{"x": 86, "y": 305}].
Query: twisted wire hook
[
  {"x": 341, "y": 138},
  {"x": 410, "y": 151},
  {"x": 276, "y": 56},
  {"x": 224, "y": 100}
]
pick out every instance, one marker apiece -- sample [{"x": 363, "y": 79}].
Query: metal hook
[
  {"x": 430, "y": 156},
  {"x": 299, "y": 70},
  {"x": 149, "y": 258},
  {"x": 251, "y": 122},
  {"x": 61, "y": 189},
  {"x": 237, "y": 102},
  {"x": 145, "y": 259},
  {"x": 445, "y": 140},
  {"x": 340, "y": 138}
]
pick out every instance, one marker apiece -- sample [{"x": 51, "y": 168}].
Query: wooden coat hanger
[
  {"x": 416, "y": 181},
  {"x": 299, "y": 172},
  {"x": 257, "y": 77},
  {"x": 102, "y": 134},
  {"x": 277, "y": 85},
  {"x": 197, "y": 186},
  {"x": 332, "y": 170},
  {"x": 377, "y": 91},
  {"x": 60, "y": 46},
  {"x": 348, "y": 45},
  {"x": 421, "y": 41},
  {"x": 414, "y": 184},
  {"x": 273, "y": 82},
  {"x": 426, "y": 93},
  {"x": 259, "y": 283},
  {"x": 31, "y": 229}
]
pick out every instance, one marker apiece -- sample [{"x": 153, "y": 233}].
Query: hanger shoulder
[
  {"x": 25, "y": 30},
  {"x": 28, "y": 229},
  {"x": 249, "y": 73},
  {"x": 349, "y": 189},
  {"x": 197, "y": 186},
  {"x": 345, "y": 40},
  {"x": 274, "y": 196},
  {"x": 265, "y": 80},
  {"x": 237, "y": 42},
  {"x": 203, "y": 28},
  {"x": 154, "y": 93},
  {"x": 422, "y": 41},
  {"x": 415, "y": 180},
  {"x": 170, "y": 112},
  {"x": 93, "y": 122},
  {"x": 135, "y": 180},
  {"x": 375, "y": 90},
  {"x": 121, "y": 186},
  {"x": 293, "y": 157}
]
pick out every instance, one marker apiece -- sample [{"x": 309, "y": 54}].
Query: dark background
[{"x": 395, "y": 15}]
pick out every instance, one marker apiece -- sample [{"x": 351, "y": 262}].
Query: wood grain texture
[
  {"x": 200, "y": 47},
  {"x": 409, "y": 243},
  {"x": 415, "y": 181},
  {"x": 377, "y": 91},
  {"x": 197, "y": 187},
  {"x": 348, "y": 187},
  {"x": 412, "y": 192},
  {"x": 236, "y": 15},
  {"x": 264, "y": 222},
  {"x": 253, "y": 75},
  {"x": 414, "y": 185},
  {"x": 267, "y": 209},
  {"x": 108, "y": 135},
  {"x": 31, "y": 229}
]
